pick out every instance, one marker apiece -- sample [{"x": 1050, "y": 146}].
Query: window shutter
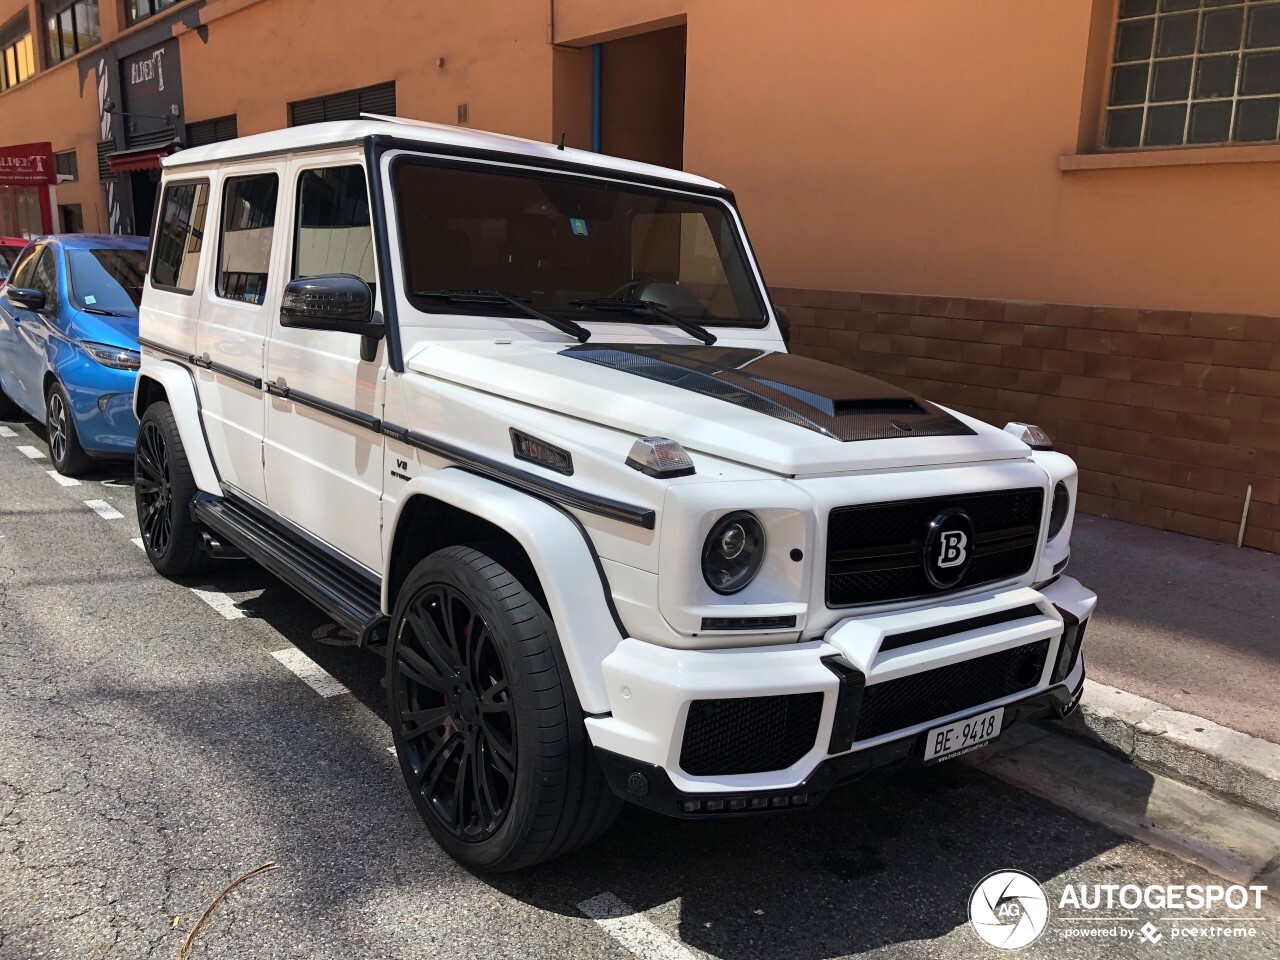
[
  {"x": 211, "y": 131},
  {"x": 105, "y": 148},
  {"x": 380, "y": 99},
  {"x": 346, "y": 105}
]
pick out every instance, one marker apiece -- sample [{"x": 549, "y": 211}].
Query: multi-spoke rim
[
  {"x": 57, "y": 426},
  {"x": 154, "y": 488},
  {"x": 456, "y": 718}
]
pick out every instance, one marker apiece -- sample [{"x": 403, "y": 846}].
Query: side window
[
  {"x": 244, "y": 248},
  {"x": 332, "y": 234},
  {"x": 180, "y": 236},
  {"x": 44, "y": 277}
]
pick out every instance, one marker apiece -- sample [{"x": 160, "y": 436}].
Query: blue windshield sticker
[{"x": 579, "y": 227}]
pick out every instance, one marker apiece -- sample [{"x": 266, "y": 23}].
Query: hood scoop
[{"x": 822, "y": 397}]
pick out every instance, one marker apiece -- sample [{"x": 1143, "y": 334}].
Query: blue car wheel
[{"x": 65, "y": 451}]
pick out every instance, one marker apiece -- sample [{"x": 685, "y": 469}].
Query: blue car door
[
  {"x": 12, "y": 317},
  {"x": 30, "y": 353}
]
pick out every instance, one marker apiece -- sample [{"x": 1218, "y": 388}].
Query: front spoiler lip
[{"x": 661, "y": 795}]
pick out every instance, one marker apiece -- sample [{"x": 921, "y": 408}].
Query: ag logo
[
  {"x": 948, "y": 548},
  {"x": 1008, "y": 909}
]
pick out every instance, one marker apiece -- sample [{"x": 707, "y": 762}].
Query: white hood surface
[{"x": 778, "y": 412}]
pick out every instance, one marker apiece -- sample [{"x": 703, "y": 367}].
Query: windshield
[
  {"x": 551, "y": 241},
  {"x": 107, "y": 281}
]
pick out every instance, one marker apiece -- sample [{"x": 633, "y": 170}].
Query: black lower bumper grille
[
  {"x": 749, "y": 734},
  {"x": 907, "y": 701},
  {"x": 875, "y": 552}
]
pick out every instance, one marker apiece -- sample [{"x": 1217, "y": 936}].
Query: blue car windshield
[{"x": 107, "y": 280}]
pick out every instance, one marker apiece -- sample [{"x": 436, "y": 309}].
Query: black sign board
[{"x": 151, "y": 87}]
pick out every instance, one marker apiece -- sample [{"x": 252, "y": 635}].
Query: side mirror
[
  {"x": 337, "y": 302},
  {"x": 26, "y": 297}
]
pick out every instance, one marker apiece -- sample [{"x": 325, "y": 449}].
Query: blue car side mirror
[{"x": 26, "y": 297}]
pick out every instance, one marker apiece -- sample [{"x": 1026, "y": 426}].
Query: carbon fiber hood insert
[{"x": 818, "y": 396}]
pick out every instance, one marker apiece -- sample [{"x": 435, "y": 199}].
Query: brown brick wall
[{"x": 1170, "y": 415}]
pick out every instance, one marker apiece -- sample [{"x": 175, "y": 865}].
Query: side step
[{"x": 342, "y": 590}]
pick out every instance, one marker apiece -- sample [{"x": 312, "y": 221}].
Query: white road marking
[
  {"x": 137, "y": 542},
  {"x": 7, "y": 433},
  {"x": 103, "y": 509},
  {"x": 31, "y": 452},
  {"x": 65, "y": 481},
  {"x": 217, "y": 599},
  {"x": 309, "y": 672},
  {"x": 634, "y": 930}
]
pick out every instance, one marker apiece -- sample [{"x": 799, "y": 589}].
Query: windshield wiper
[
  {"x": 575, "y": 330},
  {"x": 651, "y": 309},
  {"x": 103, "y": 313}
]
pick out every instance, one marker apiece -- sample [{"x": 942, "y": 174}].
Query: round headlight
[
  {"x": 1061, "y": 509},
  {"x": 734, "y": 550}
]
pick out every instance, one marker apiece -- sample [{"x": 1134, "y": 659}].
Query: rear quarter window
[{"x": 180, "y": 236}]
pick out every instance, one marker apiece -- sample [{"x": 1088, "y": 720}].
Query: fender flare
[
  {"x": 180, "y": 392},
  {"x": 563, "y": 557}
]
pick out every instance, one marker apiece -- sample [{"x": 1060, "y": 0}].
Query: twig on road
[{"x": 184, "y": 951}]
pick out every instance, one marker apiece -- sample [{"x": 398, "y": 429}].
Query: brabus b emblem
[
  {"x": 954, "y": 549},
  {"x": 947, "y": 548}
]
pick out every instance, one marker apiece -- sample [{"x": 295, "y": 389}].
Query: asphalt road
[{"x": 152, "y": 750}]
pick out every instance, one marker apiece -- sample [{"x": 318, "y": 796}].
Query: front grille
[
  {"x": 749, "y": 734},
  {"x": 875, "y": 551},
  {"x": 907, "y": 701}
]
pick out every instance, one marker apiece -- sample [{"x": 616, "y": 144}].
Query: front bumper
[{"x": 652, "y": 690}]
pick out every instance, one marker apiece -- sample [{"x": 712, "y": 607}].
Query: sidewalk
[{"x": 1189, "y": 623}]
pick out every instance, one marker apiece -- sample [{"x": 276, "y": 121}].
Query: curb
[{"x": 1233, "y": 765}]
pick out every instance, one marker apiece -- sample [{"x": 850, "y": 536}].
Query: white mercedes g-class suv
[{"x": 525, "y": 415}]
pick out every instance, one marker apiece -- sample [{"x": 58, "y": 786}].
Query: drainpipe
[{"x": 597, "y": 63}]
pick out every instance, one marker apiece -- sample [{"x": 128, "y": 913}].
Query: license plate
[{"x": 944, "y": 743}]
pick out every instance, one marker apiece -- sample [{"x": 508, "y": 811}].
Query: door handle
[{"x": 277, "y": 389}]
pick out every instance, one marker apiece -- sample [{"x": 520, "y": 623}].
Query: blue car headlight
[{"x": 117, "y": 357}]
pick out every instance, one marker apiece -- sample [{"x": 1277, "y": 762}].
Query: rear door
[
  {"x": 324, "y": 449},
  {"x": 234, "y": 319}
]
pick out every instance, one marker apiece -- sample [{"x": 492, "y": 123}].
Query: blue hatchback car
[{"x": 69, "y": 344}]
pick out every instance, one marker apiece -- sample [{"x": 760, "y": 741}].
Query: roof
[{"x": 318, "y": 135}]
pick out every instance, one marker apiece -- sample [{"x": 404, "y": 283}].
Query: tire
[
  {"x": 163, "y": 490},
  {"x": 487, "y": 727},
  {"x": 68, "y": 456}
]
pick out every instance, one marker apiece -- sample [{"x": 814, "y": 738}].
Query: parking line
[
  {"x": 309, "y": 672},
  {"x": 137, "y": 542},
  {"x": 7, "y": 433},
  {"x": 216, "y": 599},
  {"x": 65, "y": 481},
  {"x": 103, "y": 509},
  {"x": 634, "y": 930},
  {"x": 31, "y": 452}
]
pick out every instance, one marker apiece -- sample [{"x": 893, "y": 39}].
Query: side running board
[{"x": 342, "y": 590}]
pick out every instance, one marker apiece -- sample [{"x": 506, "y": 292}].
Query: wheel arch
[
  {"x": 169, "y": 383},
  {"x": 543, "y": 546}
]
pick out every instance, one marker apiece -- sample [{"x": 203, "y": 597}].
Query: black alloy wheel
[
  {"x": 163, "y": 490},
  {"x": 154, "y": 488},
  {"x": 458, "y": 721}
]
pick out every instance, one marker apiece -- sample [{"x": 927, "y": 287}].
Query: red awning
[{"x": 129, "y": 160}]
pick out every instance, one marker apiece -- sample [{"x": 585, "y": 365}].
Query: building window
[
  {"x": 211, "y": 131},
  {"x": 136, "y": 10},
  {"x": 248, "y": 223},
  {"x": 67, "y": 165},
  {"x": 180, "y": 237},
  {"x": 17, "y": 53},
  {"x": 1194, "y": 72},
  {"x": 71, "y": 217},
  {"x": 348, "y": 105},
  {"x": 70, "y": 26}
]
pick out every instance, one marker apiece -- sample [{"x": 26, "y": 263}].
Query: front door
[
  {"x": 12, "y": 317},
  {"x": 31, "y": 334},
  {"x": 323, "y": 451}
]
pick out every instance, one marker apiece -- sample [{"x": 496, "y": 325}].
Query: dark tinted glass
[
  {"x": 180, "y": 236},
  {"x": 1136, "y": 8},
  {"x": 1168, "y": 5},
  {"x": 1129, "y": 84},
  {"x": 248, "y": 225},
  {"x": 1172, "y": 80},
  {"x": 1124, "y": 128},
  {"x": 1210, "y": 122},
  {"x": 1165, "y": 125},
  {"x": 1216, "y": 77},
  {"x": 107, "y": 280},
  {"x": 1264, "y": 27},
  {"x": 1221, "y": 30},
  {"x": 44, "y": 277},
  {"x": 23, "y": 267},
  {"x": 1177, "y": 35},
  {"x": 1257, "y": 119},
  {"x": 1133, "y": 40},
  {"x": 1261, "y": 73},
  {"x": 333, "y": 233}
]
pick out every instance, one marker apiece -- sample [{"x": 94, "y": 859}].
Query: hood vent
[{"x": 828, "y": 399}]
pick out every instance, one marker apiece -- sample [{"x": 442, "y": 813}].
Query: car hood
[
  {"x": 777, "y": 411},
  {"x": 99, "y": 328}
]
